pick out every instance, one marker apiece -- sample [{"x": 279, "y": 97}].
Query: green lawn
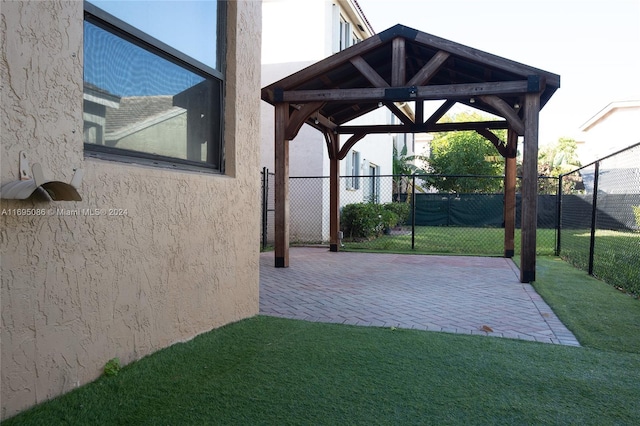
[
  {"x": 599, "y": 315},
  {"x": 276, "y": 371},
  {"x": 455, "y": 240},
  {"x": 616, "y": 259}
]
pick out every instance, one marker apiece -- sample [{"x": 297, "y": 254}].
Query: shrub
[
  {"x": 402, "y": 210},
  {"x": 359, "y": 220},
  {"x": 636, "y": 213},
  {"x": 366, "y": 220},
  {"x": 112, "y": 367}
]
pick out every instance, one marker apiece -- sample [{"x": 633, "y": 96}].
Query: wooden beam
[
  {"x": 281, "y": 248},
  {"x": 487, "y": 59},
  {"x": 422, "y": 128},
  {"x": 320, "y": 68},
  {"x": 299, "y": 116},
  {"x": 368, "y": 72},
  {"x": 420, "y": 112},
  {"x": 510, "y": 197},
  {"x": 409, "y": 93},
  {"x": 500, "y": 145},
  {"x": 398, "y": 113},
  {"x": 349, "y": 144},
  {"x": 440, "y": 112},
  {"x": 398, "y": 62},
  {"x": 425, "y": 74},
  {"x": 323, "y": 123},
  {"x": 506, "y": 111},
  {"x": 529, "y": 188}
]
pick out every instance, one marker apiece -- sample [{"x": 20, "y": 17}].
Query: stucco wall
[{"x": 78, "y": 290}]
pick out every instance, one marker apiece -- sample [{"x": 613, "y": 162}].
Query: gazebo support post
[
  {"x": 334, "y": 190},
  {"x": 510, "y": 194},
  {"x": 334, "y": 203},
  {"x": 281, "y": 186},
  {"x": 529, "y": 188}
]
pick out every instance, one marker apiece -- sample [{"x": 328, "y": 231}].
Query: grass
[
  {"x": 276, "y": 371},
  {"x": 600, "y": 316},
  {"x": 616, "y": 259},
  {"x": 455, "y": 240}
]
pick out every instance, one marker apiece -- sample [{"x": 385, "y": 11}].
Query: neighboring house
[
  {"x": 162, "y": 245},
  {"x": 297, "y": 34},
  {"x": 613, "y": 128}
]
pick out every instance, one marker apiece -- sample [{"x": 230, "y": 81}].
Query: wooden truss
[{"x": 404, "y": 65}]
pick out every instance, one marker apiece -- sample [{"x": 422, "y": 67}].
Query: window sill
[{"x": 153, "y": 161}]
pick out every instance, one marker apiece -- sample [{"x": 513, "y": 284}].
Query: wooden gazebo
[{"x": 402, "y": 64}]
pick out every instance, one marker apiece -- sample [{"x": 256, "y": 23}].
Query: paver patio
[{"x": 455, "y": 294}]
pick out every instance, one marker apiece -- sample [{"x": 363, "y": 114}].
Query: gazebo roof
[{"x": 402, "y": 64}]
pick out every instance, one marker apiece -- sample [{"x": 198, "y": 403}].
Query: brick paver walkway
[{"x": 469, "y": 295}]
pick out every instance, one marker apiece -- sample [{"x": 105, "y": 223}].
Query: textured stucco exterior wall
[{"x": 78, "y": 290}]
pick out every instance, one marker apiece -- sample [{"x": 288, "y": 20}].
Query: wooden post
[
  {"x": 529, "y": 188},
  {"x": 281, "y": 186},
  {"x": 510, "y": 194},
  {"x": 334, "y": 202},
  {"x": 398, "y": 62}
]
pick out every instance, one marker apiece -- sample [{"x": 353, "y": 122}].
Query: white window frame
[
  {"x": 373, "y": 183},
  {"x": 353, "y": 170}
]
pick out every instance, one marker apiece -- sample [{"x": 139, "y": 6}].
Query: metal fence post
[
  {"x": 413, "y": 212},
  {"x": 265, "y": 204},
  {"x": 594, "y": 215},
  {"x": 558, "y": 215}
]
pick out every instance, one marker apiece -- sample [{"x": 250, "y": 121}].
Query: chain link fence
[
  {"x": 600, "y": 219},
  {"x": 429, "y": 213}
]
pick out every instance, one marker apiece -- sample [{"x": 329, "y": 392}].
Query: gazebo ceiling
[{"x": 402, "y": 64}]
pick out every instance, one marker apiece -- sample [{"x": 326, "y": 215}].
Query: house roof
[
  {"x": 402, "y": 64},
  {"x": 606, "y": 111}
]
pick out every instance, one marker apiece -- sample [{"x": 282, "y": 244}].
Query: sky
[
  {"x": 165, "y": 21},
  {"x": 593, "y": 45}
]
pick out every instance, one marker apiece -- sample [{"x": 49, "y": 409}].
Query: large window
[{"x": 144, "y": 100}]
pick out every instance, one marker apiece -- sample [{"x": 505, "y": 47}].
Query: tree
[
  {"x": 556, "y": 159},
  {"x": 466, "y": 153},
  {"x": 403, "y": 168}
]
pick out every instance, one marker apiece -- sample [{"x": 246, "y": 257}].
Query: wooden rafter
[
  {"x": 398, "y": 113},
  {"x": 487, "y": 59},
  {"x": 440, "y": 112},
  {"x": 368, "y": 72},
  {"x": 321, "y": 68},
  {"x": 425, "y": 74}
]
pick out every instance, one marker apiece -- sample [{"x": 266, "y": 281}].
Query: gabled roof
[
  {"x": 403, "y": 64},
  {"x": 608, "y": 110}
]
